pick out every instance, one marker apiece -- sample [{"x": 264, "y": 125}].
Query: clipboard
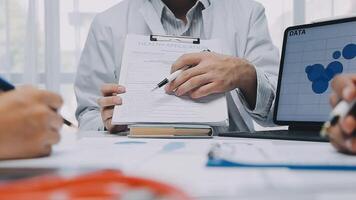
[
  {"x": 176, "y": 130},
  {"x": 146, "y": 61},
  {"x": 171, "y": 38}
]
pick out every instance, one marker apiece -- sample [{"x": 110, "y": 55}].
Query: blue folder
[
  {"x": 225, "y": 163},
  {"x": 222, "y": 155}
]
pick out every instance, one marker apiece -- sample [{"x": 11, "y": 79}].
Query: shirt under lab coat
[{"x": 241, "y": 25}]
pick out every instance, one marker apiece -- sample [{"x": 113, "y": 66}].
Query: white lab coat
[{"x": 240, "y": 24}]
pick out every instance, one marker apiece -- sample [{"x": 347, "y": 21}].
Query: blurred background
[{"x": 41, "y": 40}]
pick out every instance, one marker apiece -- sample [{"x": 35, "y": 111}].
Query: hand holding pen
[
  {"x": 5, "y": 86},
  {"x": 29, "y": 122},
  {"x": 342, "y": 123},
  {"x": 213, "y": 73}
]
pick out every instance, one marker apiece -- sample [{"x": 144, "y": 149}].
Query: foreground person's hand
[
  {"x": 341, "y": 135},
  {"x": 29, "y": 123}
]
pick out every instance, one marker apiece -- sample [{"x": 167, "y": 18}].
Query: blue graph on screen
[{"x": 321, "y": 76}]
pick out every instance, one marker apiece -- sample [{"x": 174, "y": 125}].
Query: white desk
[{"x": 185, "y": 168}]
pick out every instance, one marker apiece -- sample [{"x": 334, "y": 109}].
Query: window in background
[
  {"x": 21, "y": 40},
  {"x": 13, "y": 30},
  {"x": 329, "y": 8},
  {"x": 75, "y": 20},
  {"x": 279, "y": 15},
  {"x": 76, "y": 17},
  {"x": 344, "y": 7}
]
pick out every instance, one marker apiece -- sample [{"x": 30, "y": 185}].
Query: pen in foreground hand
[
  {"x": 342, "y": 109},
  {"x": 173, "y": 76},
  {"x": 5, "y": 86}
]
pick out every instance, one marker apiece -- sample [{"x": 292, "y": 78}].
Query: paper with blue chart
[
  {"x": 275, "y": 154},
  {"x": 313, "y": 57}
]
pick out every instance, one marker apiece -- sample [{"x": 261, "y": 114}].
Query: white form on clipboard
[{"x": 147, "y": 60}]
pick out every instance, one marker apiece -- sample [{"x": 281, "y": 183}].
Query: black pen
[
  {"x": 5, "y": 86},
  {"x": 174, "y": 75},
  {"x": 168, "y": 79}
]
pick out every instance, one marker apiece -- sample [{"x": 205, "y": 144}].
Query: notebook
[{"x": 178, "y": 131}]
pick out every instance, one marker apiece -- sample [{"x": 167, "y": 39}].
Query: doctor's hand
[
  {"x": 29, "y": 123},
  {"x": 213, "y": 73},
  {"x": 341, "y": 135},
  {"x": 107, "y": 104}
]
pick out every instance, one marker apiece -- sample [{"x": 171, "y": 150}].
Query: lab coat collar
[
  {"x": 152, "y": 19},
  {"x": 208, "y": 20}
]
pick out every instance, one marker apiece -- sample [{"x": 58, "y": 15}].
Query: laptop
[{"x": 312, "y": 55}]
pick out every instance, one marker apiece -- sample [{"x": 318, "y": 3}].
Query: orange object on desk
[{"x": 106, "y": 184}]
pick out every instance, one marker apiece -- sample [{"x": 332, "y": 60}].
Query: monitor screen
[{"x": 312, "y": 56}]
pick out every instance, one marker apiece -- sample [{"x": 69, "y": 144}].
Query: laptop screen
[{"x": 312, "y": 56}]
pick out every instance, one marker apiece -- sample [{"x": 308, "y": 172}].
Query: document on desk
[
  {"x": 292, "y": 155},
  {"x": 144, "y": 64}
]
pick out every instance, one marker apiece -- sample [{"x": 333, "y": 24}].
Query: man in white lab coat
[{"x": 247, "y": 71}]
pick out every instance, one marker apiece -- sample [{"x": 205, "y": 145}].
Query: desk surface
[{"x": 168, "y": 161}]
